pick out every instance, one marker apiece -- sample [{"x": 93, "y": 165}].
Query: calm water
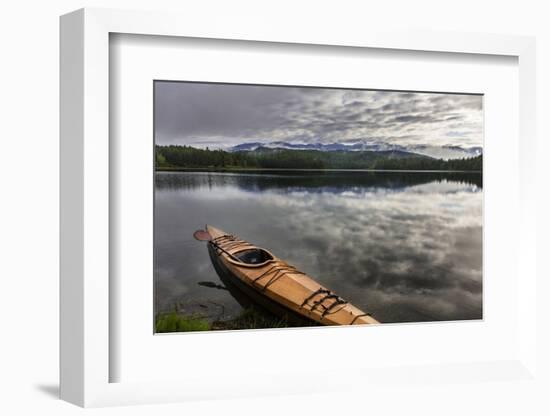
[{"x": 403, "y": 246}]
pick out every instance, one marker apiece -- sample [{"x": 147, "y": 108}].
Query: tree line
[{"x": 187, "y": 157}]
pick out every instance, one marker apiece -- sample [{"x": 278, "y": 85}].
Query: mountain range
[{"x": 445, "y": 152}]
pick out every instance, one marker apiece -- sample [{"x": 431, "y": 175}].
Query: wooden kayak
[{"x": 278, "y": 286}]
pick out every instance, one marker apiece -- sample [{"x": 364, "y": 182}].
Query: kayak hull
[{"x": 278, "y": 286}]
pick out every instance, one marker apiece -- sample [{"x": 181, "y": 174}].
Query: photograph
[{"x": 295, "y": 206}]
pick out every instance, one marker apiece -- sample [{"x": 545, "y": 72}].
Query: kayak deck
[{"x": 282, "y": 283}]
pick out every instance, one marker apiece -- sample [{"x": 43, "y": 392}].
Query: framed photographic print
[
  {"x": 375, "y": 194},
  {"x": 302, "y": 198}
]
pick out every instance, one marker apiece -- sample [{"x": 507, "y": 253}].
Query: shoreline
[{"x": 252, "y": 170}]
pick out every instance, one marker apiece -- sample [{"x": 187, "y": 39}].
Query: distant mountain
[
  {"x": 437, "y": 152},
  {"x": 446, "y": 152},
  {"x": 246, "y": 147}
]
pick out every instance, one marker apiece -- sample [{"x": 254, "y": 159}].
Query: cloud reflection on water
[{"x": 404, "y": 247}]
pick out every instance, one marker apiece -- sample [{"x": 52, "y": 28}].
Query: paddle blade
[{"x": 202, "y": 235}]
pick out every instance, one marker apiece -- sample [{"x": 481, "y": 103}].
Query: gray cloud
[{"x": 222, "y": 115}]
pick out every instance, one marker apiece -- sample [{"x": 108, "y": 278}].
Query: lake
[{"x": 404, "y": 246}]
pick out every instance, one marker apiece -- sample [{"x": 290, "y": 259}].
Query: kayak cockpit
[{"x": 233, "y": 249}]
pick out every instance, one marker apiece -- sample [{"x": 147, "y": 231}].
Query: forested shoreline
[{"x": 186, "y": 157}]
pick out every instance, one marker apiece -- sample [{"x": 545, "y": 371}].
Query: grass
[
  {"x": 175, "y": 322},
  {"x": 250, "y": 318}
]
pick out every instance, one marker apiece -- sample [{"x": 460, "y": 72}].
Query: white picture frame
[{"x": 85, "y": 206}]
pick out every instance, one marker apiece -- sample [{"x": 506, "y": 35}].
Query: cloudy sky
[{"x": 223, "y": 115}]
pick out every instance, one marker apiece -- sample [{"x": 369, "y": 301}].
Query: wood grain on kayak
[{"x": 286, "y": 285}]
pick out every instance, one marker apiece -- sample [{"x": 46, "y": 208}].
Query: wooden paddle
[{"x": 202, "y": 235}]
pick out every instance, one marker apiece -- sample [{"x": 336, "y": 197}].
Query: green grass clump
[
  {"x": 174, "y": 322},
  {"x": 250, "y": 318}
]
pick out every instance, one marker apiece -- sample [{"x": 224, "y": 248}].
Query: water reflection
[
  {"x": 313, "y": 181},
  {"x": 404, "y": 246}
]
